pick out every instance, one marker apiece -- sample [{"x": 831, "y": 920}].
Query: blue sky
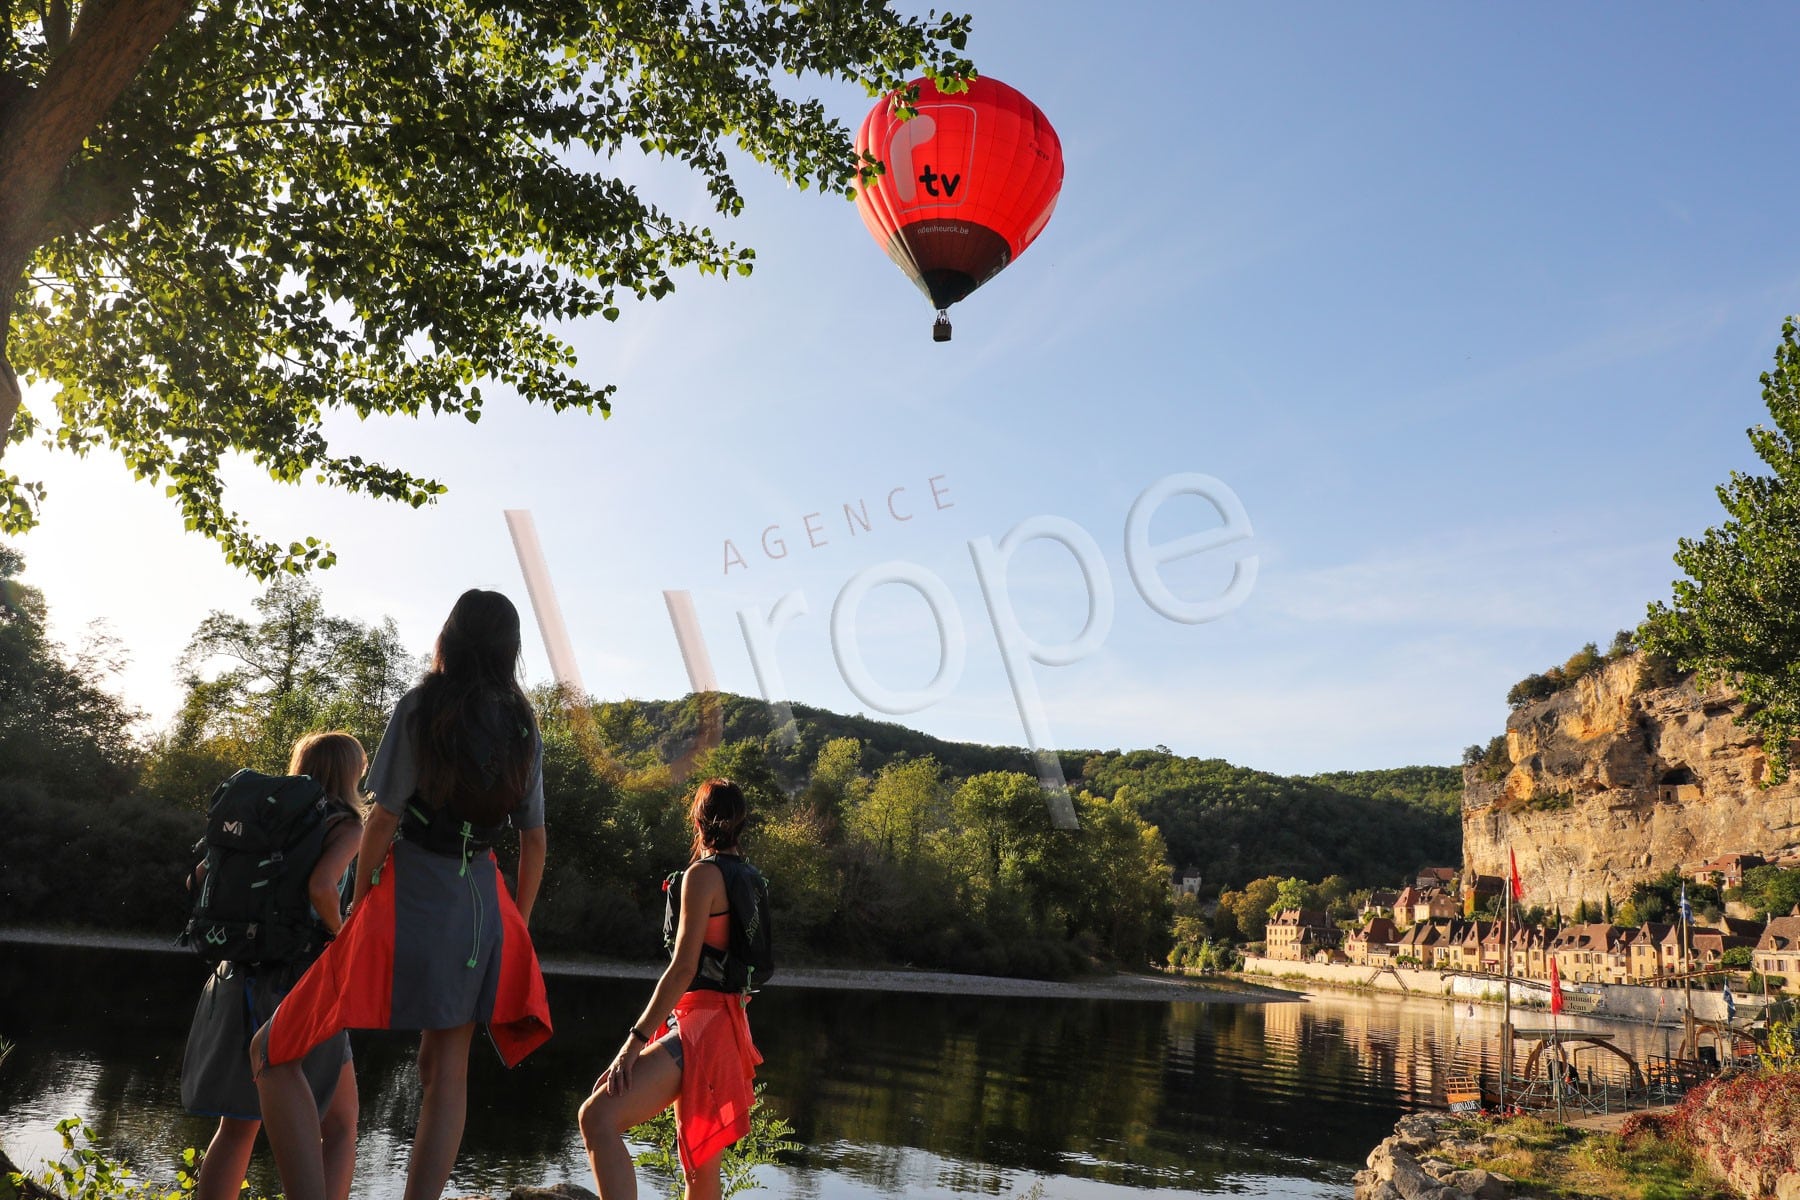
[{"x": 1466, "y": 305}]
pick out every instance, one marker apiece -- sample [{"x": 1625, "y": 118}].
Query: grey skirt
[{"x": 215, "y": 1070}]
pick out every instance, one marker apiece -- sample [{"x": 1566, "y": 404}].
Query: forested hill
[
  {"x": 1434, "y": 789},
  {"x": 644, "y": 732},
  {"x": 1231, "y": 823},
  {"x": 1234, "y": 824}
]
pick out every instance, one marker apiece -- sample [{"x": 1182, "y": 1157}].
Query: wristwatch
[{"x": 640, "y": 1035}]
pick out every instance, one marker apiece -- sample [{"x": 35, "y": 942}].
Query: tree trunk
[
  {"x": 10, "y": 395},
  {"x": 41, "y": 130}
]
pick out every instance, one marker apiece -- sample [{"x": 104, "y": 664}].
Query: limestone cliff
[{"x": 1605, "y": 784}]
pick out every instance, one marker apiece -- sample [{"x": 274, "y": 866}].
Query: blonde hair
[{"x": 334, "y": 760}]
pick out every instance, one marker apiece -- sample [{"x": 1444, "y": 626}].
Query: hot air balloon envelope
[{"x": 971, "y": 181}]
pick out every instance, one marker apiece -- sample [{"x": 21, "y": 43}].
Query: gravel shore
[{"x": 1161, "y": 988}]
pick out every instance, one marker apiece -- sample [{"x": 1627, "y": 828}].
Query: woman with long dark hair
[
  {"x": 703, "y": 1062},
  {"x": 434, "y": 941}
]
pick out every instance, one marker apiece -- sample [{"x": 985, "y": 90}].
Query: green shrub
[
  {"x": 764, "y": 1145},
  {"x": 85, "y": 1173}
]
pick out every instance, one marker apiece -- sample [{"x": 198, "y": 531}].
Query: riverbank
[
  {"x": 1608, "y": 1001},
  {"x": 1437, "y": 1156},
  {"x": 1123, "y": 986}
]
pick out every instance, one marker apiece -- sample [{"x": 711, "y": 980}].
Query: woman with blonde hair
[
  {"x": 704, "y": 1063},
  {"x": 215, "y": 1072}
]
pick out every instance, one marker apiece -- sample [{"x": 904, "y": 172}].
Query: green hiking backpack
[
  {"x": 264, "y": 834},
  {"x": 748, "y": 960}
]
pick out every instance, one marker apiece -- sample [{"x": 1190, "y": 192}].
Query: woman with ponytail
[
  {"x": 703, "y": 1061},
  {"x": 435, "y": 942}
]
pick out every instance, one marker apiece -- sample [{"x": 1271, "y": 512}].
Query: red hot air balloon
[{"x": 971, "y": 181}]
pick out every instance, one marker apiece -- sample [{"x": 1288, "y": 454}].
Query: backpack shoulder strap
[{"x": 338, "y": 811}]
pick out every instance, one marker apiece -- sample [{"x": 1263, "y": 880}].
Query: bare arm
[
  {"x": 532, "y": 846},
  {"x": 322, "y": 884},
  {"x": 703, "y": 888},
  {"x": 378, "y": 832}
]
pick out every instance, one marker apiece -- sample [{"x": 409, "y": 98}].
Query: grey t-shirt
[{"x": 394, "y": 776}]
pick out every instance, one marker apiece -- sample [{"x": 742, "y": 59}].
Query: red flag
[
  {"x": 1555, "y": 990},
  {"x": 1517, "y": 887}
]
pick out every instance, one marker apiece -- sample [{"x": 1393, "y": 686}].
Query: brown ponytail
[{"x": 718, "y": 815}]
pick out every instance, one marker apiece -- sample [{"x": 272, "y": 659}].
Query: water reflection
[{"x": 890, "y": 1094}]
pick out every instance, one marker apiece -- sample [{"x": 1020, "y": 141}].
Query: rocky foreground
[
  {"x": 1737, "y": 1137},
  {"x": 1419, "y": 1162}
]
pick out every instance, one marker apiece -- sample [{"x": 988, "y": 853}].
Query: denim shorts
[{"x": 670, "y": 1041}]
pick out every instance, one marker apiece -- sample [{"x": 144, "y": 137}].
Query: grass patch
[{"x": 1551, "y": 1160}]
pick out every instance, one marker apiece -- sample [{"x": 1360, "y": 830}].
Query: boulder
[{"x": 1480, "y": 1184}]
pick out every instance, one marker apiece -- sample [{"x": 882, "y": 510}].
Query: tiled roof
[{"x": 1782, "y": 933}]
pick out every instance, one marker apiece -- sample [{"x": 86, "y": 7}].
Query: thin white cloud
[{"x": 1480, "y": 580}]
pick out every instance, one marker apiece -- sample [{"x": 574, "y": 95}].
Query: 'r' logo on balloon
[{"x": 916, "y": 132}]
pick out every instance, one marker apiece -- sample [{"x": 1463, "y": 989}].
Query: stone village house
[
  {"x": 1298, "y": 934},
  {"x": 1778, "y": 950},
  {"x": 1374, "y": 943}
]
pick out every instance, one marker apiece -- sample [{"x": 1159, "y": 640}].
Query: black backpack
[
  {"x": 748, "y": 960},
  {"x": 264, "y": 834}
]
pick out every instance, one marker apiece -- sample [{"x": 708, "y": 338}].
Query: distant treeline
[{"x": 883, "y": 844}]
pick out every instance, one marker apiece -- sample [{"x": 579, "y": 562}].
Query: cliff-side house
[
  {"x": 1726, "y": 871},
  {"x": 1777, "y": 951}
]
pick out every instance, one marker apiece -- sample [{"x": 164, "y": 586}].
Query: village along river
[{"x": 889, "y": 1094}]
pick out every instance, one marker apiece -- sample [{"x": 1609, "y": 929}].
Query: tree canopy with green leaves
[
  {"x": 1771, "y": 890},
  {"x": 1736, "y": 616},
  {"x": 222, "y": 221}
]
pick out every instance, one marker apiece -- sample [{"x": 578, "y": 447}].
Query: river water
[{"x": 889, "y": 1094}]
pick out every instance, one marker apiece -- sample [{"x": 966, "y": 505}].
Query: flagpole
[
  {"x": 1514, "y": 891},
  {"x": 1690, "y": 1043},
  {"x": 1556, "y": 1070},
  {"x": 1506, "y": 1003}
]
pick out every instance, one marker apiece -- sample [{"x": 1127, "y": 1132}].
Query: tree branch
[
  {"x": 41, "y": 133},
  {"x": 56, "y": 27}
]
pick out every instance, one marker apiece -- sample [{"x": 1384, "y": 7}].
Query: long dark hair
[
  {"x": 718, "y": 814},
  {"x": 474, "y": 724}
]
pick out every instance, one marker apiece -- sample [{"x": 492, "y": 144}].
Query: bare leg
[
  {"x": 227, "y": 1160},
  {"x": 337, "y": 1130},
  {"x": 444, "y": 1078},
  {"x": 704, "y": 1184},
  {"x": 655, "y": 1082},
  {"x": 291, "y": 1119}
]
